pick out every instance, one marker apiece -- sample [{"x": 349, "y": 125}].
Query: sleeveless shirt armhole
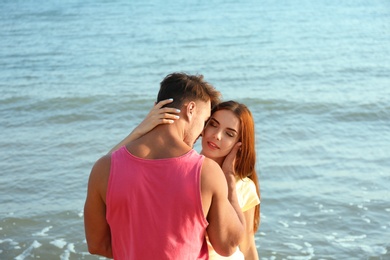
[
  {"x": 200, "y": 204},
  {"x": 110, "y": 184}
]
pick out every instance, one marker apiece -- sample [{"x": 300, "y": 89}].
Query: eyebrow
[{"x": 231, "y": 129}]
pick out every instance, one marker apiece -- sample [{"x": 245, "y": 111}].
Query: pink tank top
[{"x": 154, "y": 207}]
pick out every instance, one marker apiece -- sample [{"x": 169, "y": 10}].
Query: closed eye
[
  {"x": 213, "y": 122},
  {"x": 231, "y": 134}
]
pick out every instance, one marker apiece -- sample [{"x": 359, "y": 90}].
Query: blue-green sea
[{"x": 77, "y": 76}]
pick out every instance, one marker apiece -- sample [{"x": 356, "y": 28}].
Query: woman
[{"x": 230, "y": 123}]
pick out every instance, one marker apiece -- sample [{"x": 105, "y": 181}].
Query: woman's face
[{"x": 220, "y": 135}]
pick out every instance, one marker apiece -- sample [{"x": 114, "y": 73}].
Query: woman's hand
[
  {"x": 157, "y": 116},
  {"x": 229, "y": 162}
]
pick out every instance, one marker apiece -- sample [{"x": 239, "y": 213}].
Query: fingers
[
  {"x": 163, "y": 115},
  {"x": 169, "y": 110},
  {"x": 168, "y": 116},
  {"x": 228, "y": 163},
  {"x": 159, "y": 107},
  {"x": 236, "y": 148},
  {"x": 163, "y": 102}
]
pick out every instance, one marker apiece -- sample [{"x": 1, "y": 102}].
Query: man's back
[{"x": 154, "y": 207}]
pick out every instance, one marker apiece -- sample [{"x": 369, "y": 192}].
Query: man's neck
[{"x": 165, "y": 141}]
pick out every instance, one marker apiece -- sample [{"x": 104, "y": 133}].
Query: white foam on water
[
  {"x": 322, "y": 209},
  {"x": 65, "y": 255},
  {"x": 297, "y": 237},
  {"x": 60, "y": 243},
  {"x": 43, "y": 232},
  {"x": 351, "y": 238},
  {"x": 27, "y": 252},
  {"x": 299, "y": 257},
  {"x": 307, "y": 244},
  {"x": 297, "y": 214},
  {"x": 293, "y": 246},
  {"x": 348, "y": 242},
  {"x": 71, "y": 248},
  {"x": 330, "y": 237},
  {"x": 387, "y": 209},
  {"x": 309, "y": 251},
  {"x": 374, "y": 250},
  {"x": 5, "y": 240},
  {"x": 81, "y": 213},
  {"x": 10, "y": 241},
  {"x": 284, "y": 223},
  {"x": 300, "y": 223}
]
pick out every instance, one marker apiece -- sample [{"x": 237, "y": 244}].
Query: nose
[{"x": 217, "y": 135}]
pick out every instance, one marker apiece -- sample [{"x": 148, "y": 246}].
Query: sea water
[{"x": 77, "y": 76}]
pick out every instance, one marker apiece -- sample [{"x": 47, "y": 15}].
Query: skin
[
  {"x": 219, "y": 199},
  {"x": 219, "y": 141},
  {"x": 220, "y": 135}
]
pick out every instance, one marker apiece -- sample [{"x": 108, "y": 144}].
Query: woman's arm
[
  {"x": 248, "y": 245},
  {"x": 157, "y": 115}
]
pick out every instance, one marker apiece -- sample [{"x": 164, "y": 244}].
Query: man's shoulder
[
  {"x": 209, "y": 163},
  {"x": 210, "y": 169},
  {"x": 102, "y": 166}
]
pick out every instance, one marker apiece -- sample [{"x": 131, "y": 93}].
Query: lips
[{"x": 212, "y": 145}]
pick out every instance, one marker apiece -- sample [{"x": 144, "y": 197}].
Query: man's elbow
[
  {"x": 95, "y": 249},
  {"x": 227, "y": 249},
  {"x": 230, "y": 247}
]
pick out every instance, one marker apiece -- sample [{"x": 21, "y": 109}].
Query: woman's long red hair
[{"x": 245, "y": 165}]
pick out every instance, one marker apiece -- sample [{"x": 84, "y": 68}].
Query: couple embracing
[{"x": 154, "y": 197}]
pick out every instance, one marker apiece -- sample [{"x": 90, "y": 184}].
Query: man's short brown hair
[{"x": 183, "y": 87}]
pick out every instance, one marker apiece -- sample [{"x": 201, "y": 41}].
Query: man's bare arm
[
  {"x": 97, "y": 230},
  {"x": 226, "y": 220}
]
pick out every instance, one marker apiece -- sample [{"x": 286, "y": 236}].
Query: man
[{"x": 156, "y": 197}]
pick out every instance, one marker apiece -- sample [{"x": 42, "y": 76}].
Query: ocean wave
[{"x": 378, "y": 111}]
